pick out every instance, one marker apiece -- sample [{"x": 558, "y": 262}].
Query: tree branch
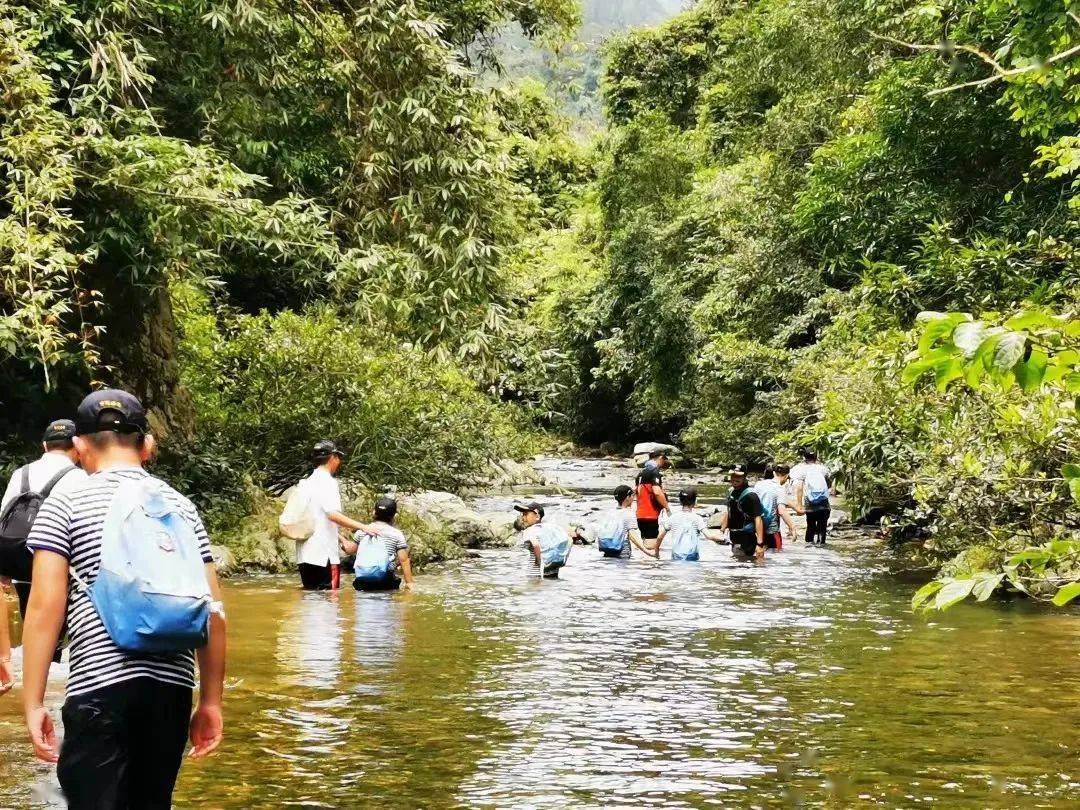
[{"x": 1000, "y": 73}]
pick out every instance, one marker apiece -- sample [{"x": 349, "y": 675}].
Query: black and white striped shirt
[{"x": 70, "y": 524}]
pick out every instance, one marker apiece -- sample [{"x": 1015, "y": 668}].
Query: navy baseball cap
[
  {"x": 530, "y": 507},
  {"x": 738, "y": 469},
  {"x": 326, "y": 448},
  {"x": 59, "y": 430},
  {"x": 111, "y": 409}
]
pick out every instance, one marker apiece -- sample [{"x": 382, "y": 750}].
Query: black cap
[
  {"x": 688, "y": 496},
  {"x": 111, "y": 409},
  {"x": 657, "y": 453},
  {"x": 59, "y": 430},
  {"x": 385, "y": 508},
  {"x": 737, "y": 469},
  {"x": 324, "y": 449},
  {"x": 807, "y": 452},
  {"x": 622, "y": 492},
  {"x": 530, "y": 507}
]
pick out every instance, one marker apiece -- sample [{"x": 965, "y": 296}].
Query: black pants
[
  {"x": 123, "y": 746},
  {"x": 315, "y": 577},
  {"x": 649, "y": 528},
  {"x": 22, "y": 589},
  {"x": 817, "y": 523}
]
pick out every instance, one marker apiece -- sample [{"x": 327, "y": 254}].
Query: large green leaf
[
  {"x": 1031, "y": 372},
  {"x": 940, "y": 328},
  {"x": 968, "y": 337},
  {"x": 1066, "y": 593},
  {"x": 956, "y": 590},
  {"x": 930, "y": 361},
  {"x": 925, "y": 593},
  {"x": 1031, "y": 320},
  {"x": 986, "y": 584},
  {"x": 1008, "y": 352}
]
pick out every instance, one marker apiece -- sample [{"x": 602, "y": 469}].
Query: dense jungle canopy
[{"x": 277, "y": 221}]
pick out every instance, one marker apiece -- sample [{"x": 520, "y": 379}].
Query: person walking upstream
[
  {"x": 55, "y": 472},
  {"x": 651, "y": 501},
  {"x": 127, "y": 714},
  {"x": 813, "y": 482}
]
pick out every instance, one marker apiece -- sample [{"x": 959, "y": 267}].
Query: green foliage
[
  {"x": 273, "y": 385},
  {"x": 785, "y": 187}
]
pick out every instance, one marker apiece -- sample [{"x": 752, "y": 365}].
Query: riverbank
[{"x": 441, "y": 526}]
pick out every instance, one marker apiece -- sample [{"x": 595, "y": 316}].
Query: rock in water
[
  {"x": 224, "y": 560},
  {"x": 466, "y": 527}
]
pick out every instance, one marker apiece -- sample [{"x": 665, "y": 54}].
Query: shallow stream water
[{"x": 803, "y": 682}]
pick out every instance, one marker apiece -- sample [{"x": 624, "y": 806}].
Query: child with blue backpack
[
  {"x": 687, "y": 529},
  {"x": 547, "y": 544},
  {"x": 381, "y": 552},
  {"x": 620, "y": 530},
  {"x": 144, "y": 604}
]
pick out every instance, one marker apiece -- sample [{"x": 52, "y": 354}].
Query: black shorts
[
  {"x": 123, "y": 745},
  {"x": 649, "y": 528},
  {"x": 746, "y": 542},
  {"x": 391, "y": 583}
]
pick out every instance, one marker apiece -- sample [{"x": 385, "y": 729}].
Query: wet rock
[
  {"x": 839, "y": 517},
  {"x": 608, "y": 448},
  {"x": 464, "y": 525},
  {"x": 565, "y": 448},
  {"x": 224, "y": 560},
  {"x": 713, "y": 520},
  {"x": 509, "y": 473}
]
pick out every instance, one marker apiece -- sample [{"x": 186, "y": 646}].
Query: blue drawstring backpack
[
  {"x": 685, "y": 545},
  {"x": 555, "y": 547},
  {"x": 151, "y": 590},
  {"x": 612, "y": 534},
  {"x": 373, "y": 563}
]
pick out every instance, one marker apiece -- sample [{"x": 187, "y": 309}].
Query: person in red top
[{"x": 651, "y": 500}]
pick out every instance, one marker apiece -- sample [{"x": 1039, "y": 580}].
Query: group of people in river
[
  {"x": 753, "y": 521},
  {"x": 102, "y": 552}
]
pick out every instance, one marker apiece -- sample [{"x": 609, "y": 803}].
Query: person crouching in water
[
  {"x": 381, "y": 551},
  {"x": 547, "y": 544},
  {"x": 621, "y": 529},
  {"x": 743, "y": 517},
  {"x": 687, "y": 528}
]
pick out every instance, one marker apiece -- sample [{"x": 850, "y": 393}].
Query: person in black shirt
[{"x": 743, "y": 518}]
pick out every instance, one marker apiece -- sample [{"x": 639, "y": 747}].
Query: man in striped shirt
[{"x": 127, "y": 715}]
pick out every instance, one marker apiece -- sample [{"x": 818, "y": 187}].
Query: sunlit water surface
[{"x": 806, "y": 681}]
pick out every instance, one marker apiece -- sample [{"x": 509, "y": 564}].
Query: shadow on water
[{"x": 803, "y": 682}]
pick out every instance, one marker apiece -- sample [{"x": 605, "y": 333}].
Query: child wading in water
[
  {"x": 548, "y": 545},
  {"x": 687, "y": 528},
  {"x": 621, "y": 529}
]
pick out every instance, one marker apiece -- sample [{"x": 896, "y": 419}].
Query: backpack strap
[
  {"x": 55, "y": 480},
  {"x": 25, "y": 479}
]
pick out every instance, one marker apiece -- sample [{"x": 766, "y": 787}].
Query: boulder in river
[
  {"x": 465, "y": 526},
  {"x": 509, "y": 473},
  {"x": 643, "y": 449}
]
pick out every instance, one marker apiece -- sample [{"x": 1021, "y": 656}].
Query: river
[{"x": 803, "y": 682}]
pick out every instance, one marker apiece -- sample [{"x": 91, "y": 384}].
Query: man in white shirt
[
  {"x": 813, "y": 484},
  {"x": 58, "y": 465},
  {"x": 319, "y": 557}
]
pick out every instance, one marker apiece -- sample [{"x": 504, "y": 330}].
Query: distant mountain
[{"x": 573, "y": 76}]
